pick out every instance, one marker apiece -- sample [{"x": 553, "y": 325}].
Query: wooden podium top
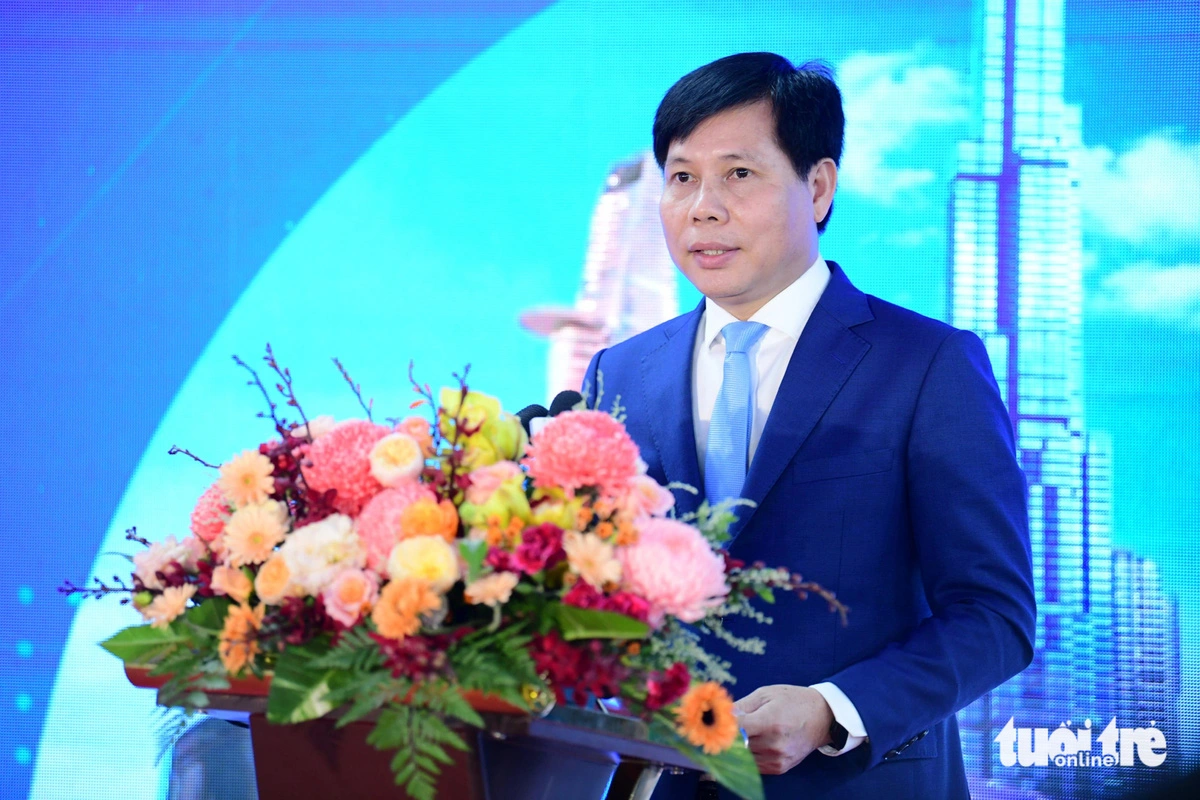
[{"x": 567, "y": 726}]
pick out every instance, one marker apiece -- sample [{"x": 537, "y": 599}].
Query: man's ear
[{"x": 822, "y": 180}]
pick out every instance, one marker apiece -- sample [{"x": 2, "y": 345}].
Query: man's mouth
[{"x": 712, "y": 248}]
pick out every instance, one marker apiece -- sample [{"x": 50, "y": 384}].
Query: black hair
[{"x": 806, "y": 103}]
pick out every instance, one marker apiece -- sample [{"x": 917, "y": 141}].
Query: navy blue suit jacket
[{"x": 886, "y": 472}]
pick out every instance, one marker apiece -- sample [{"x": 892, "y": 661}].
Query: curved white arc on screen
[{"x": 472, "y": 208}]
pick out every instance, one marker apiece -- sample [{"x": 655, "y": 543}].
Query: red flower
[
  {"x": 584, "y": 595},
  {"x": 417, "y": 657},
  {"x": 299, "y": 620},
  {"x": 501, "y": 560},
  {"x": 541, "y": 548},
  {"x": 204, "y": 571},
  {"x": 585, "y": 669},
  {"x": 664, "y": 688}
]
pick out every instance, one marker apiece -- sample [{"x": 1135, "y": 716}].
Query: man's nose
[{"x": 709, "y": 204}]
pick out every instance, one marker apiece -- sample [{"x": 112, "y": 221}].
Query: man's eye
[
  {"x": 682, "y": 177},
  {"x": 741, "y": 172}
]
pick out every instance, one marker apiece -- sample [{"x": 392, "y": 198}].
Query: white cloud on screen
[
  {"x": 1169, "y": 295},
  {"x": 892, "y": 100},
  {"x": 1145, "y": 194}
]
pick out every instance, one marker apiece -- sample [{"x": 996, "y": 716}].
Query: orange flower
[
  {"x": 239, "y": 637},
  {"x": 274, "y": 580},
  {"x": 705, "y": 717},
  {"x": 491, "y": 590},
  {"x": 584, "y": 517},
  {"x": 420, "y": 430},
  {"x": 398, "y": 611},
  {"x": 253, "y": 531},
  {"x": 231, "y": 581},
  {"x": 246, "y": 478},
  {"x": 427, "y": 517},
  {"x": 591, "y": 558},
  {"x": 169, "y": 605}
]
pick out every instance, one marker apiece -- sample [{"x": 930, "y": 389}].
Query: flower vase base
[{"x": 316, "y": 759}]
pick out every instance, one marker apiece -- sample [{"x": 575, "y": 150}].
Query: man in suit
[{"x": 872, "y": 440}]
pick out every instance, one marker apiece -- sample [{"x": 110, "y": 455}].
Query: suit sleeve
[
  {"x": 591, "y": 380},
  {"x": 968, "y": 516}
]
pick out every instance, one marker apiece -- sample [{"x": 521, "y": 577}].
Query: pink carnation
[
  {"x": 210, "y": 515},
  {"x": 583, "y": 448},
  {"x": 645, "y": 497},
  {"x": 341, "y": 460},
  {"x": 675, "y": 569},
  {"x": 379, "y": 523}
]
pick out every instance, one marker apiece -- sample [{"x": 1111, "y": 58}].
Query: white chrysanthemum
[
  {"x": 158, "y": 555},
  {"x": 316, "y": 553}
]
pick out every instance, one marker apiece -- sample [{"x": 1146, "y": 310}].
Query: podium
[{"x": 568, "y": 752}]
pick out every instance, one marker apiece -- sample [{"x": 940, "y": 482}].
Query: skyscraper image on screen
[
  {"x": 1107, "y": 639},
  {"x": 628, "y": 277}
]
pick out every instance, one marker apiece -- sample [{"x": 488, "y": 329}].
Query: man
[{"x": 872, "y": 440}]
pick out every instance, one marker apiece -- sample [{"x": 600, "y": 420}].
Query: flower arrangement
[{"x": 393, "y": 568}]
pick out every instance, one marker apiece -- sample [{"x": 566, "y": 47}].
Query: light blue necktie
[{"x": 728, "y": 451}]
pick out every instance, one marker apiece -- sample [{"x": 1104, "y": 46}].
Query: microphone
[
  {"x": 563, "y": 401},
  {"x": 529, "y": 413}
]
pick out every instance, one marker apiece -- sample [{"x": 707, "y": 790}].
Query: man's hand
[{"x": 785, "y": 724}]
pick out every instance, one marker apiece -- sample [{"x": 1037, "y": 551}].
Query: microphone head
[
  {"x": 565, "y": 401},
  {"x": 529, "y": 413}
]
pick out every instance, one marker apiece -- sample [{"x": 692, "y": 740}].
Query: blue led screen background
[{"x": 393, "y": 181}]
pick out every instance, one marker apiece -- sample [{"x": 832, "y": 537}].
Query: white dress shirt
[{"x": 785, "y": 316}]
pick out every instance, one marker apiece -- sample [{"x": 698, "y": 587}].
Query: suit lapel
[
  {"x": 825, "y": 356},
  {"x": 667, "y": 398}
]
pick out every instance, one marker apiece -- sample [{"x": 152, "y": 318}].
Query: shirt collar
[{"x": 787, "y": 312}]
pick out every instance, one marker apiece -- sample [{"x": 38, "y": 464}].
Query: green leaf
[
  {"x": 473, "y": 552},
  {"x": 299, "y": 691},
  {"x": 134, "y": 645},
  {"x": 734, "y": 768},
  {"x": 767, "y": 594},
  {"x": 367, "y": 695},
  {"x": 587, "y": 623},
  {"x": 355, "y": 652},
  {"x": 455, "y": 706},
  {"x": 209, "y": 616},
  {"x": 392, "y": 728},
  {"x": 435, "y": 750}
]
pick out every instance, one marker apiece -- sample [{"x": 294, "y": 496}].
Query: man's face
[{"x": 739, "y": 222}]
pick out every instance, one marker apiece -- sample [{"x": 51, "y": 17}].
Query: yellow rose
[{"x": 426, "y": 558}]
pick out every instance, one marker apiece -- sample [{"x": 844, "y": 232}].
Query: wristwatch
[{"x": 837, "y": 735}]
